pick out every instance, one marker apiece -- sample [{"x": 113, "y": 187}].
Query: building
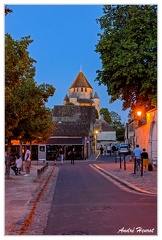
[
  {"x": 105, "y": 134},
  {"x": 143, "y": 131},
  {"x": 81, "y": 93},
  {"x": 74, "y": 128}
]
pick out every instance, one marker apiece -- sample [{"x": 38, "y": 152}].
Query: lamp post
[
  {"x": 96, "y": 140},
  {"x": 139, "y": 115}
]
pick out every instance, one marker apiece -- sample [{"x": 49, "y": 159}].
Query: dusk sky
[{"x": 64, "y": 41}]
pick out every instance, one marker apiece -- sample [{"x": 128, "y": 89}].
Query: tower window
[{"x": 81, "y": 89}]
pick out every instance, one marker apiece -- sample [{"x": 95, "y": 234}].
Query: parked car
[{"x": 124, "y": 149}]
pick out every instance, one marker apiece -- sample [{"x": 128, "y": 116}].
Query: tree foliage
[
  {"x": 7, "y": 10},
  {"x": 106, "y": 115},
  {"x": 26, "y": 116},
  {"x": 128, "y": 51},
  {"x": 114, "y": 119}
]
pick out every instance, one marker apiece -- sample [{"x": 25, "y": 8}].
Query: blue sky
[{"x": 64, "y": 39}]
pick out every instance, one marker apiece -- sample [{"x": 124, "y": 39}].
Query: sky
[{"x": 64, "y": 37}]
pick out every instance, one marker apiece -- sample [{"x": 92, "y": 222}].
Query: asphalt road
[{"x": 86, "y": 203}]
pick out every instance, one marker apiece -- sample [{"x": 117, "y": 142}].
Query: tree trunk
[
  {"x": 8, "y": 159},
  {"x": 21, "y": 155}
]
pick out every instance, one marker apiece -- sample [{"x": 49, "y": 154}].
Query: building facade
[{"x": 144, "y": 132}]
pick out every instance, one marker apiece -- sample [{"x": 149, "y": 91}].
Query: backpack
[{"x": 150, "y": 168}]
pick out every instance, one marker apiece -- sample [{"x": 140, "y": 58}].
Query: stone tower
[{"x": 81, "y": 93}]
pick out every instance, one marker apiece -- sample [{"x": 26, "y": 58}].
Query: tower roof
[
  {"x": 66, "y": 98},
  {"x": 81, "y": 81},
  {"x": 95, "y": 95}
]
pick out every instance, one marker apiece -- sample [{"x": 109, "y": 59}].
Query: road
[{"x": 86, "y": 203}]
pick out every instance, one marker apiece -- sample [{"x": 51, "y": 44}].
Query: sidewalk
[
  {"x": 144, "y": 184},
  {"x": 26, "y": 203},
  {"x": 21, "y": 195}
]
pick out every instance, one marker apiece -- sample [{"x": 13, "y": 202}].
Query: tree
[
  {"x": 7, "y": 10},
  {"x": 106, "y": 115},
  {"x": 26, "y": 116},
  {"x": 114, "y": 119},
  {"x": 128, "y": 51},
  {"x": 117, "y": 125},
  {"x": 34, "y": 119}
]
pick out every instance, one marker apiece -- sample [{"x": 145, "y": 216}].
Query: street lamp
[
  {"x": 139, "y": 113},
  {"x": 96, "y": 140}
]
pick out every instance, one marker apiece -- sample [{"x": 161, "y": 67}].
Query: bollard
[
  {"x": 115, "y": 156},
  {"x": 124, "y": 163},
  {"x": 120, "y": 161},
  {"x": 134, "y": 165},
  {"x": 141, "y": 166}
]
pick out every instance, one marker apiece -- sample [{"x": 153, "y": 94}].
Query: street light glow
[{"x": 139, "y": 113}]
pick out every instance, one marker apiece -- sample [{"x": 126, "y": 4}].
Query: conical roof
[
  {"x": 95, "y": 95},
  {"x": 81, "y": 81}
]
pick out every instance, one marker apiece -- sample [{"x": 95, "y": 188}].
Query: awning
[{"x": 66, "y": 141}]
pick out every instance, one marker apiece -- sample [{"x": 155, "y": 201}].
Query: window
[
  {"x": 81, "y": 89},
  {"x": 42, "y": 148}
]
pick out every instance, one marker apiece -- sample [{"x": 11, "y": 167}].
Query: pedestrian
[
  {"x": 101, "y": 150},
  {"x": 105, "y": 150},
  {"x": 144, "y": 155},
  {"x": 18, "y": 164},
  {"x": 61, "y": 155},
  {"x": 72, "y": 155},
  {"x": 109, "y": 150},
  {"x": 13, "y": 164},
  {"x": 113, "y": 149},
  {"x": 55, "y": 156},
  {"x": 27, "y": 159},
  {"x": 137, "y": 154}
]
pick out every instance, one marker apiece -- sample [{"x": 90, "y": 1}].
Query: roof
[
  {"x": 81, "y": 81},
  {"x": 66, "y": 98},
  {"x": 95, "y": 95},
  {"x": 103, "y": 126},
  {"x": 71, "y": 129},
  {"x": 73, "y": 113}
]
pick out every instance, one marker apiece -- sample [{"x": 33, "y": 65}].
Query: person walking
[
  {"x": 101, "y": 150},
  {"x": 27, "y": 159},
  {"x": 55, "y": 155},
  {"x": 144, "y": 155},
  {"x": 137, "y": 154},
  {"x": 61, "y": 155}
]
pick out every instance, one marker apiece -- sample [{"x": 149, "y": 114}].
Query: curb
[{"x": 124, "y": 183}]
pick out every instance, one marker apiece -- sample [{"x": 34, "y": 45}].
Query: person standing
[
  {"x": 101, "y": 150},
  {"x": 137, "y": 154},
  {"x": 144, "y": 155},
  {"x": 109, "y": 150},
  {"x": 55, "y": 156},
  {"x": 27, "y": 159},
  {"x": 61, "y": 155},
  {"x": 105, "y": 150},
  {"x": 72, "y": 155}
]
